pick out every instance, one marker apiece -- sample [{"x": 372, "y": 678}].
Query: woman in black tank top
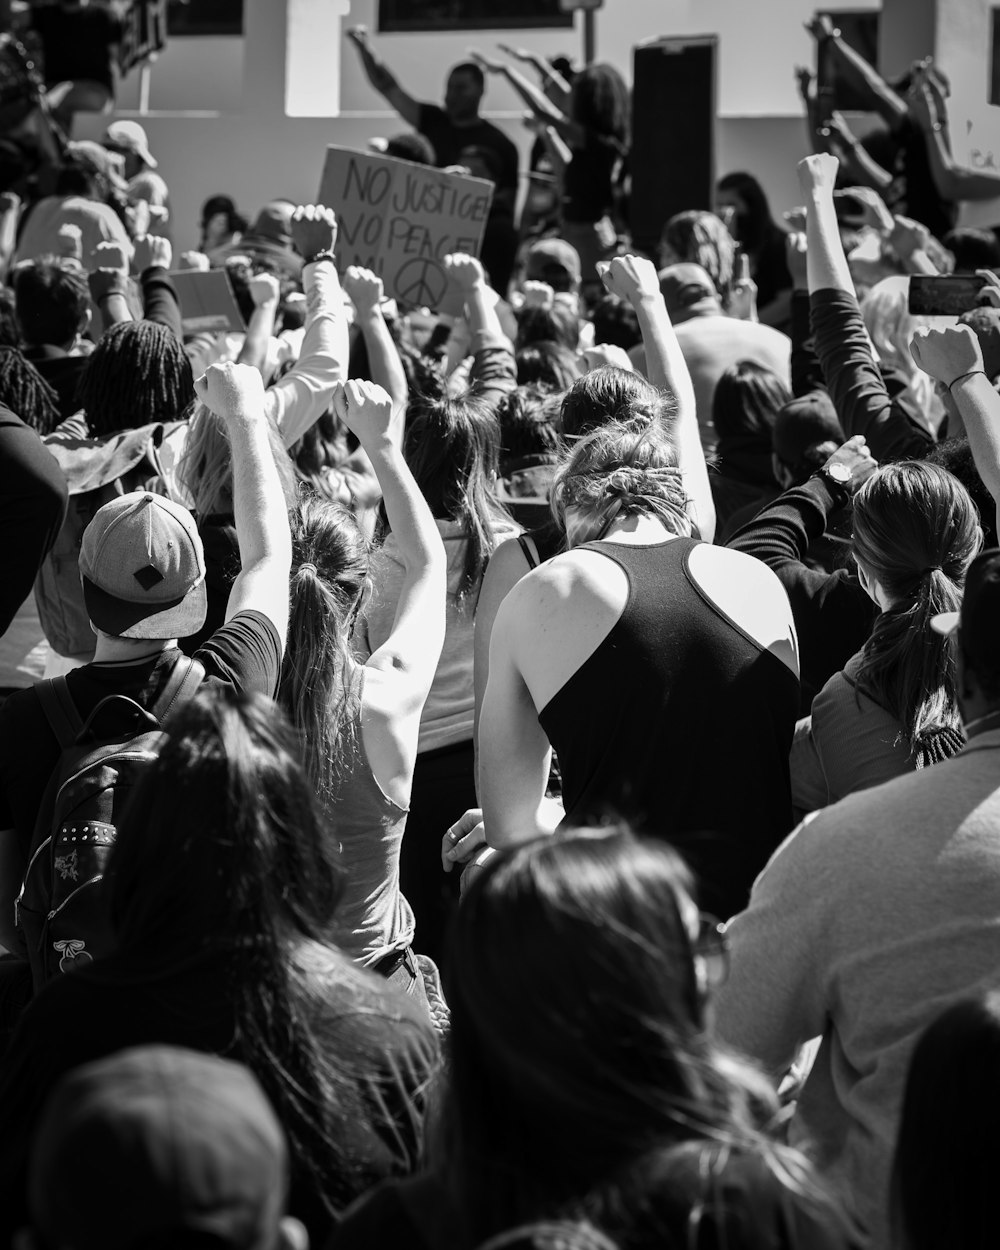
[{"x": 661, "y": 706}]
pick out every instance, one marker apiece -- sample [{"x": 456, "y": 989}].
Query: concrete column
[{"x": 292, "y": 57}]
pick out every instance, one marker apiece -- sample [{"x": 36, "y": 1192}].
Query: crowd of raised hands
[{"x": 523, "y": 635}]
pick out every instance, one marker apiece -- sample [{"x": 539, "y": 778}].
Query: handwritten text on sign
[{"x": 401, "y": 220}]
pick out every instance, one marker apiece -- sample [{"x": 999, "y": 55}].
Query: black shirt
[
  {"x": 590, "y": 178},
  {"x": 913, "y": 192},
  {"x": 680, "y": 722},
  {"x": 76, "y": 44},
  {"x": 449, "y": 140},
  {"x": 62, "y": 372},
  {"x": 245, "y": 654}
]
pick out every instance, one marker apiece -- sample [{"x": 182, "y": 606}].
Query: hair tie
[{"x": 308, "y": 565}]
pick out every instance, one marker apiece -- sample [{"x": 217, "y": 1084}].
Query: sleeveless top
[
  {"x": 681, "y": 723},
  {"x": 373, "y": 918}
]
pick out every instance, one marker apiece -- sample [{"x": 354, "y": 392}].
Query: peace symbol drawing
[{"x": 421, "y": 282}]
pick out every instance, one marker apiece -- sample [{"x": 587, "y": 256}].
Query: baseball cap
[
  {"x": 686, "y": 287},
  {"x": 129, "y": 137},
  {"x": 270, "y": 238},
  {"x": 155, "y": 1142},
  {"x": 985, "y": 324},
  {"x": 803, "y": 423},
  {"x": 978, "y": 621},
  {"x": 550, "y": 258},
  {"x": 143, "y": 569}
]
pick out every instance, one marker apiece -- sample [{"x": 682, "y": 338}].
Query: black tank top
[{"x": 681, "y": 723}]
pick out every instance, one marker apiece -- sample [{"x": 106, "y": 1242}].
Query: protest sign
[
  {"x": 207, "y": 301},
  {"x": 401, "y": 220},
  {"x": 144, "y": 33}
]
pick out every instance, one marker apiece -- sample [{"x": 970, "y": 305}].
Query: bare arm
[
  {"x": 264, "y": 290},
  {"x": 412, "y": 650},
  {"x": 515, "y": 752},
  {"x": 881, "y": 97},
  {"x": 236, "y": 393},
  {"x": 506, "y": 568},
  {"x": 954, "y": 358},
  {"x": 10, "y": 211},
  {"x": 365, "y": 291},
  {"x": 838, "y": 140},
  {"x": 553, "y": 84},
  {"x": 382, "y": 78},
  {"x": 826, "y": 263},
  {"x": 536, "y": 100},
  {"x": 635, "y": 280}
]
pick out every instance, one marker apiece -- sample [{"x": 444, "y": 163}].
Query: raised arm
[
  {"x": 952, "y": 180},
  {"x": 556, "y": 88},
  {"x": 890, "y": 106},
  {"x": 236, "y": 394},
  {"x": 304, "y": 393},
  {"x": 954, "y": 358},
  {"x": 265, "y": 292},
  {"x": 634, "y": 279},
  {"x": 365, "y": 291},
  {"x": 108, "y": 280},
  {"x": 151, "y": 261},
  {"x": 537, "y": 101},
  {"x": 855, "y": 383},
  {"x": 494, "y": 369},
  {"x": 411, "y": 652},
  {"x": 382, "y": 78},
  {"x": 837, "y": 138}
]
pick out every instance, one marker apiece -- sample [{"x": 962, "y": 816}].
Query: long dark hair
[
  {"x": 943, "y": 1190},
  {"x": 453, "y": 450},
  {"x": 757, "y": 224},
  {"x": 701, "y": 238},
  {"x": 916, "y": 531},
  {"x": 330, "y": 559},
  {"x": 600, "y": 103},
  {"x": 221, "y": 852},
  {"x": 137, "y": 374},
  {"x": 578, "y": 1047},
  {"x": 746, "y": 402}
]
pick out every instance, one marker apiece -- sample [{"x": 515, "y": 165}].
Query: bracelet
[
  {"x": 962, "y": 376},
  {"x": 315, "y": 260}
]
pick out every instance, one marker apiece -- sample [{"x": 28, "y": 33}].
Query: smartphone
[{"x": 946, "y": 294}]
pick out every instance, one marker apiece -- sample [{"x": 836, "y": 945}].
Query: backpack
[
  {"x": 96, "y": 471},
  {"x": 61, "y": 910}
]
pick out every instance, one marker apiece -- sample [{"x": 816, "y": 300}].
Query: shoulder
[
  {"x": 245, "y": 653},
  {"x": 739, "y": 573},
  {"x": 580, "y": 571}
]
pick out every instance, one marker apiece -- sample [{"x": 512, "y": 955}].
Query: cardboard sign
[
  {"x": 401, "y": 220},
  {"x": 207, "y": 301},
  {"x": 144, "y": 33}
]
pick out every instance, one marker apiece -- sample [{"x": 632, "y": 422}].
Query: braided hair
[
  {"x": 26, "y": 393},
  {"x": 625, "y": 468},
  {"x": 137, "y": 374}
]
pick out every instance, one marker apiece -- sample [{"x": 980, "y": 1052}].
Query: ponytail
[
  {"x": 908, "y": 668},
  {"x": 317, "y": 690},
  {"x": 916, "y": 531}
]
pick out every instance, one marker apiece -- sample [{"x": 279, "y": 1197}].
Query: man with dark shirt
[
  {"x": 459, "y": 136},
  {"x": 143, "y": 573},
  {"x": 453, "y": 128}
]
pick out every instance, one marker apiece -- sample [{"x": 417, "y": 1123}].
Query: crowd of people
[{"x": 521, "y": 779}]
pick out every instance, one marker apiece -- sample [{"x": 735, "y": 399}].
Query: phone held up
[{"x": 945, "y": 295}]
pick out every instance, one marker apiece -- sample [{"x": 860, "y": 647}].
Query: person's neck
[
  {"x": 129, "y": 650},
  {"x": 465, "y": 122},
  {"x": 640, "y": 528}
]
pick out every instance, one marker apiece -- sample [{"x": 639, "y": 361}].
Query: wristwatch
[
  {"x": 314, "y": 260},
  {"x": 837, "y": 475}
]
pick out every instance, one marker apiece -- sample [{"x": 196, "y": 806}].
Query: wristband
[
  {"x": 327, "y": 255},
  {"x": 962, "y": 376}
]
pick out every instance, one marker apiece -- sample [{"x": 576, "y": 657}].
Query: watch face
[{"x": 839, "y": 472}]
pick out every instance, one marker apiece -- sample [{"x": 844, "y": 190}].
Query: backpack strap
[
  {"x": 60, "y": 710},
  {"x": 181, "y": 687}
]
